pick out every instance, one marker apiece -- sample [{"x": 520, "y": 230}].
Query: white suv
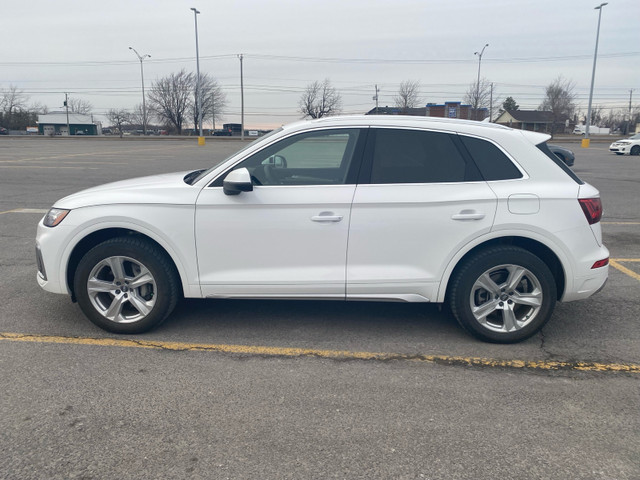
[{"x": 348, "y": 208}]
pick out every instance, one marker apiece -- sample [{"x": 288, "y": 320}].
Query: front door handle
[
  {"x": 468, "y": 215},
  {"x": 326, "y": 217}
]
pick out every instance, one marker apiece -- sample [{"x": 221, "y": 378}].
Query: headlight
[{"x": 54, "y": 216}]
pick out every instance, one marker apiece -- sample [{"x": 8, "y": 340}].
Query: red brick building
[{"x": 446, "y": 110}]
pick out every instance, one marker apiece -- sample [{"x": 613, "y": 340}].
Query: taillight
[
  {"x": 592, "y": 208},
  {"x": 601, "y": 263}
]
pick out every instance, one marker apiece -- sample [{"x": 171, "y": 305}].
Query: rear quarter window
[
  {"x": 491, "y": 161},
  {"x": 544, "y": 148}
]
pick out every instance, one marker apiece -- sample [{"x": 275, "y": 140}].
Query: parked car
[
  {"x": 410, "y": 209},
  {"x": 222, "y": 133},
  {"x": 4, "y": 131},
  {"x": 630, "y": 145},
  {"x": 564, "y": 154}
]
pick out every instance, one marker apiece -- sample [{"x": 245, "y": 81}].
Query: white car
[
  {"x": 629, "y": 145},
  {"x": 386, "y": 208}
]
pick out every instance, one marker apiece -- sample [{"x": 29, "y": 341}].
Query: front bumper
[{"x": 620, "y": 148}]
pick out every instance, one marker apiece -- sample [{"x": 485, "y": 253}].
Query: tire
[
  {"x": 485, "y": 306},
  {"x": 126, "y": 285},
  {"x": 635, "y": 150}
]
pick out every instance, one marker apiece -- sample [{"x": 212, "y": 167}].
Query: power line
[{"x": 423, "y": 61}]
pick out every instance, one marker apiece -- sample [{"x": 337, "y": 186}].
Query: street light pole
[
  {"x": 478, "y": 82},
  {"x": 144, "y": 103},
  {"x": 241, "y": 99},
  {"x": 586, "y": 140},
  {"x": 198, "y": 93}
]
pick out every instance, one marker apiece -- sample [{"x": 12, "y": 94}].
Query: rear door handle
[
  {"x": 326, "y": 217},
  {"x": 468, "y": 215}
]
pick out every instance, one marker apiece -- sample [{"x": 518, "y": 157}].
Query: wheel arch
[
  {"x": 99, "y": 236},
  {"x": 539, "y": 249}
]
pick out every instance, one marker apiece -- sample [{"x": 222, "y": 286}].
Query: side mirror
[
  {"x": 276, "y": 161},
  {"x": 237, "y": 181}
]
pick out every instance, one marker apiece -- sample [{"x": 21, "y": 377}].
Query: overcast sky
[{"x": 81, "y": 47}]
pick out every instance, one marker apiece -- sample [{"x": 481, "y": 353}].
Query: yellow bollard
[
  {"x": 585, "y": 142},
  {"x": 201, "y": 140}
]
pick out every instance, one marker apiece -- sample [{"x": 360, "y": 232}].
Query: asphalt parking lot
[{"x": 257, "y": 389}]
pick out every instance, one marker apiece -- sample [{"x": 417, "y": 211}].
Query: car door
[
  {"x": 288, "y": 236},
  {"x": 419, "y": 200}
]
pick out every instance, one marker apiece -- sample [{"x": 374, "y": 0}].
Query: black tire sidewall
[
  {"x": 466, "y": 277},
  {"x": 147, "y": 254}
]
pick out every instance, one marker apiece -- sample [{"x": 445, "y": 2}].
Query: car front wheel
[
  {"x": 503, "y": 294},
  {"x": 126, "y": 285},
  {"x": 635, "y": 150}
]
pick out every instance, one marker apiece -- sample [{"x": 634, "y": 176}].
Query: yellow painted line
[
  {"x": 264, "y": 351},
  {"x": 624, "y": 269},
  {"x": 625, "y": 259}
]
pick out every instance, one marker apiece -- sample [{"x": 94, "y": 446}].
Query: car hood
[{"x": 168, "y": 188}]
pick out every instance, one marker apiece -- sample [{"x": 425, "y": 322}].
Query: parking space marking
[
  {"x": 620, "y": 223},
  {"x": 92, "y": 154},
  {"x": 43, "y": 166},
  {"x": 25, "y": 210},
  {"x": 616, "y": 263},
  {"x": 263, "y": 351}
]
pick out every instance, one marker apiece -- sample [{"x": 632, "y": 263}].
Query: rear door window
[{"x": 415, "y": 156}]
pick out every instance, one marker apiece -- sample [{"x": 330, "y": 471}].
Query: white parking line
[{"x": 25, "y": 210}]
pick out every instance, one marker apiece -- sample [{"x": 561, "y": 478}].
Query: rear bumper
[{"x": 587, "y": 285}]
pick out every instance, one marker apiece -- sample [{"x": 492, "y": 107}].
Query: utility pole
[
  {"x": 629, "y": 120},
  {"x": 66, "y": 105},
  {"x": 375, "y": 97},
  {"x": 213, "y": 113},
  {"x": 198, "y": 93},
  {"x": 491, "y": 104},
  {"x": 241, "y": 100}
]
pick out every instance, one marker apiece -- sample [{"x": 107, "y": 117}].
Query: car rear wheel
[
  {"x": 635, "y": 150},
  {"x": 126, "y": 285},
  {"x": 503, "y": 294}
]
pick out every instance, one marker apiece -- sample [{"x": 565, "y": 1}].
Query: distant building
[
  {"x": 534, "y": 120},
  {"x": 445, "y": 110},
  {"x": 234, "y": 128},
  {"x": 55, "y": 123}
]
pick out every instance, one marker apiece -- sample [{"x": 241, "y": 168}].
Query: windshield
[
  {"x": 203, "y": 173},
  {"x": 636, "y": 137}
]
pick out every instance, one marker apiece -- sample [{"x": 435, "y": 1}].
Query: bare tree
[
  {"x": 140, "y": 116},
  {"x": 78, "y": 105},
  {"x": 118, "y": 118},
  {"x": 597, "y": 115},
  {"x": 39, "y": 108},
  {"x": 320, "y": 100},
  {"x": 480, "y": 97},
  {"x": 214, "y": 100},
  {"x": 170, "y": 98},
  {"x": 12, "y": 99},
  {"x": 408, "y": 95},
  {"x": 14, "y": 114},
  {"x": 559, "y": 100}
]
